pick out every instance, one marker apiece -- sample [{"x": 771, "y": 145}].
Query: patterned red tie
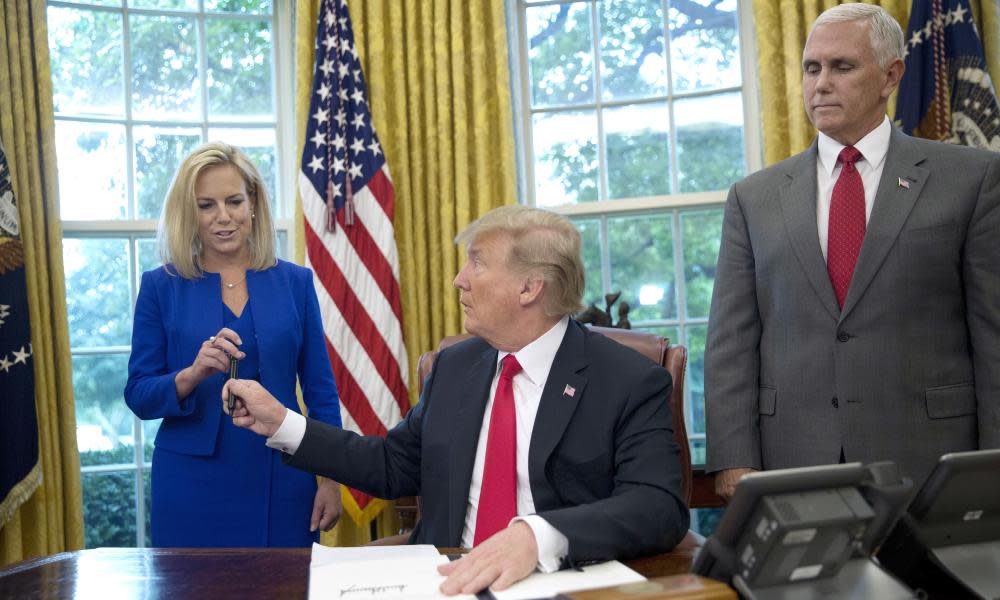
[
  {"x": 847, "y": 224},
  {"x": 498, "y": 496}
]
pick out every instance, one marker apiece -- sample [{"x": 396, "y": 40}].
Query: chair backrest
[{"x": 673, "y": 358}]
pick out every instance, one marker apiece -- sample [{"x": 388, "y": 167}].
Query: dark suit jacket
[
  {"x": 602, "y": 462},
  {"x": 909, "y": 369}
]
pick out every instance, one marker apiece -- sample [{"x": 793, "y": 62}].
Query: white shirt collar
[
  {"x": 873, "y": 147},
  {"x": 536, "y": 358}
]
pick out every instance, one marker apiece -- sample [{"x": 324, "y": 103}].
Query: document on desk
[
  {"x": 390, "y": 572},
  {"x": 546, "y": 585}
]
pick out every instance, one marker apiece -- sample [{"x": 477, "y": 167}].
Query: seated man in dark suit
[{"x": 537, "y": 443}]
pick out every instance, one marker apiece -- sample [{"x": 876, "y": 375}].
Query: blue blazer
[
  {"x": 174, "y": 316},
  {"x": 602, "y": 462}
]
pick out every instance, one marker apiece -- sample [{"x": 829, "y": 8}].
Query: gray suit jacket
[{"x": 909, "y": 369}]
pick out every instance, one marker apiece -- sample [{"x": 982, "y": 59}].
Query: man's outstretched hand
[{"x": 502, "y": 560}]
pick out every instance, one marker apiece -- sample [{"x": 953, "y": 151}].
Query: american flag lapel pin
[
  {"x": 903, "y": 183},
  {"x": 569, "y": 391}
]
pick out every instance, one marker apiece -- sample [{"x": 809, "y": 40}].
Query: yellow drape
[
  {"x": 781, "y": 28},
  {"x": 438, "y": 83},
  {"x": 52, "y": 520}
]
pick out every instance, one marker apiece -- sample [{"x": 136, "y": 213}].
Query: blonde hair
[
  {"x": 177, "y": 233},
  {"x": 884, "y": 32},
  {"x": 542, "y": 242}
]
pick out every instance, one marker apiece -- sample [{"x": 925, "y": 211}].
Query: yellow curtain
[
  {"x": 52, "y": 520},
  {"x": 781, "y": 28},
  {"x": 438, "y": 84}
]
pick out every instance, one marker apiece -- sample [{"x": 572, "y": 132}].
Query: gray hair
[
  {"x": 542, "y": 242},
  {"x": 884, "y": 32}
]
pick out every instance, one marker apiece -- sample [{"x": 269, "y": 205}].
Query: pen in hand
[{"x": 233, "y": 373}]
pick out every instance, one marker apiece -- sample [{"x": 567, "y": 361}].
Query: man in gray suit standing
[{"x": 856, "y": 313}]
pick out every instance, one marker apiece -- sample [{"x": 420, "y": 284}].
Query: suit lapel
[
  {"x": 798, "y": 206},
  {"x": 560, "y": 396},
  {"x": 471, "y": 394},
  {"x": 892, "y": 206}
]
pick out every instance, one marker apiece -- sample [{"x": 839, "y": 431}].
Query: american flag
[
  {"x": 946, "y": 93},
  {"x": 347, "y": 205}
]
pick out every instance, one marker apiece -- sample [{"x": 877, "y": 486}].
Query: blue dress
[{"x": 214, "y": 484}]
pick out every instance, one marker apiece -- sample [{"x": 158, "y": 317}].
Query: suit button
[
  {"x": 843, "y": 336},
  {"x": 835, "y": 402}
]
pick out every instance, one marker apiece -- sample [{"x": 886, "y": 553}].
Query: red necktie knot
[
  {"x": 509, "y": 367},
  {"x": 848, "y": 156}
]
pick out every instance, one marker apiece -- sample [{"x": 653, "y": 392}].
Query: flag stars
[
  {"x": 336, "y": 190},
  {"x": 338, "y": 142},
  {"x": 358, "y": 96},
  {"x": 338, "y": 166},
  {"x": 22, "y": 356},
  {"x": 342, "y": 94},
  {"x": 341, "y": 117},
  {"x": 318, "y": 139},
  {"x": 343, "y": 69},
  {"x": 354, "y": 51},
  {"x": 322, "y": 115},
  {"x": 316, "y": 164},
  {"x": 375, "y": 148},
  {"x": 357, "y": 74},
  {"x": 326, "y": 67},
  {"x": 958, "y": 15},
  {"x": 358, "y": 146},
  {"x": 5, "y": 364},
  {"x": 359, "y": 121},
  {"x": 329, "y": 42},
  {"x": 330, "y": 19},
  {"x": 917, "y": 38},
  {"x": 355, "y": 171},
  {"x": 323, "y": 91},
  {"x": 343, "y": 20}
]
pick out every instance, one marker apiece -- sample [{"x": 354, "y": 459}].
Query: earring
[{"x": 253, "y": 215}]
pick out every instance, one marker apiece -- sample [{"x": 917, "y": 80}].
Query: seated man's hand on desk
[
  {"x": 256, "y": 409},
  {"x": 502, "y": 560}
]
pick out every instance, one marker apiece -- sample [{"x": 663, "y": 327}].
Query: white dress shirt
[
  {"x": 536, "y": 361},
  {"x": 873, "y": 148}
]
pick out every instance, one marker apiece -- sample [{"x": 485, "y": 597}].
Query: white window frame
[{"x": 282, "y": 32}]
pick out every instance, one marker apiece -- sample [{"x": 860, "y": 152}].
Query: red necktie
[
  {"x": 498, "y": 496},
  {"x": 847, "y": 224}
]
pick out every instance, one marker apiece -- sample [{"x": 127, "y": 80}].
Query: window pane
[
  {"x": 103, "y": 421},
  {"x": 633, "y": 62},
  {"x": 148, "y": 254},
  {"x": 167, "y": 4},
  {"x": 109, "y": 509},
  {"x": 701, "y": 233},
  {"x": 239, "y": 68},
  {"x": 638, "y": 153},
  {"x": 149, "y": 506},
  {"x": 97, "y": 292},
  {"x": 710, "y": 142},
  {"x": 149, "y": 430},
  {"x": 704, "y": 45},
  {"x": 158, "y": 153},
  {"x": 642, "y": 265},
  {"x": 91, "y": 170},
  {"x": 590, "y": 232},
  {"x": 165, "y": 81},
  {"x": 86, "y": 53},
  {"x": 560, "y": 55},
  {"x": 257, "y": 7},
  {"x": 696, "y": 376},
  {"x": 565, "y": 157},
  {"x": 260, "y": 146}
]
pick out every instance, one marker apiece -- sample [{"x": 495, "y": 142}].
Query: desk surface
[{"x": 200, "y": 573}]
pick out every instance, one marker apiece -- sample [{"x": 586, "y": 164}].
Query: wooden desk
[{"x": 200, "y": 573}]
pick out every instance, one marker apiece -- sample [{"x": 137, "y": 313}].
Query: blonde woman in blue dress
[{"x": 221, "y": 292}]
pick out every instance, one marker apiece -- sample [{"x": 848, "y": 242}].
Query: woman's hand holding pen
[
  {"x": 256, "y": 409},
  {"x": 213, "y": 357}
]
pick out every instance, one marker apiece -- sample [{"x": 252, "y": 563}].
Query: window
[
  {"x": 633, "y": 118},
  {"x": 138, "y": 84}
]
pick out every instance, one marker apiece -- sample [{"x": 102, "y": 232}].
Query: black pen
[{"x": 233, "y": 373}]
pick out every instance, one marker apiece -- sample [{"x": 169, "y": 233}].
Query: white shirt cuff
[
  {"x": 289, "y": 434},
  {"x": 553, "y": 546}
]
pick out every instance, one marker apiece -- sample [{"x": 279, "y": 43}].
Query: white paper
[
  {"x": 386, "y": 572},
  {"x": 322, "y": 555},
  {"x": 546, "y": 585}
]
